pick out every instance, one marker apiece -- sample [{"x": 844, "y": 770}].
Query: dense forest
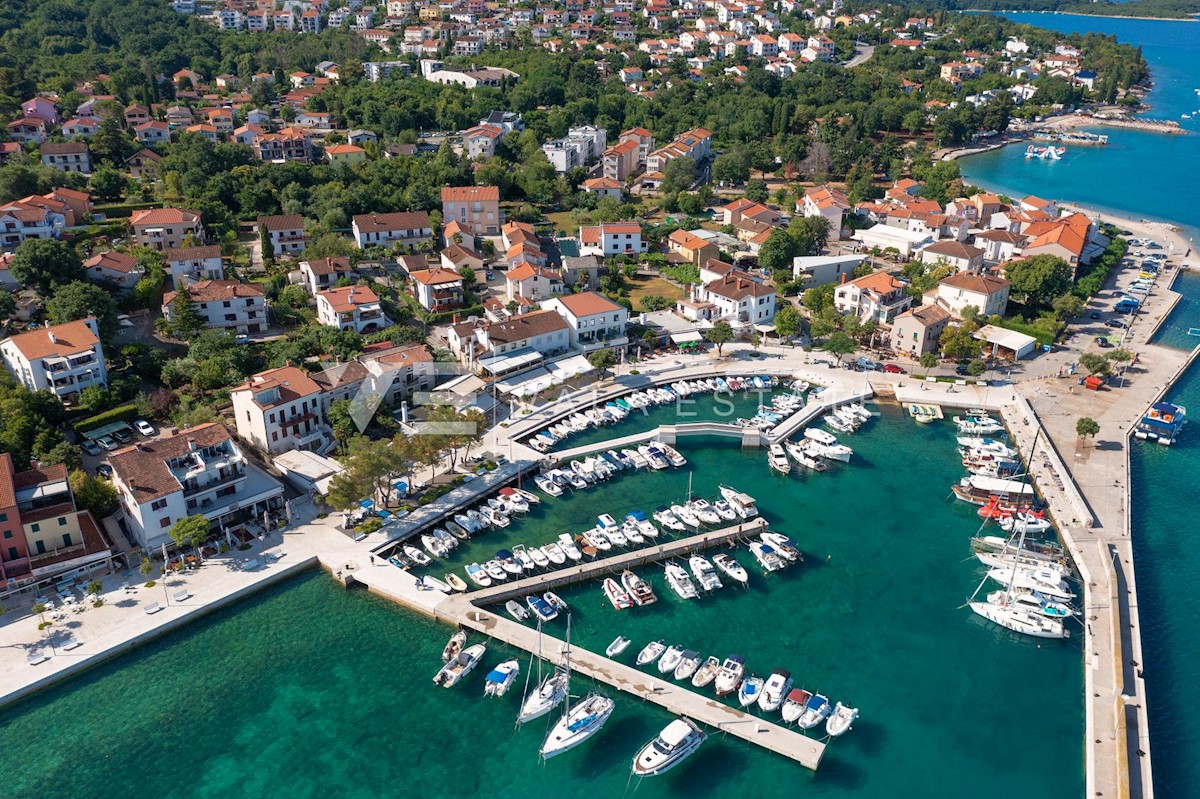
[{"x": 1168, "y": 9}]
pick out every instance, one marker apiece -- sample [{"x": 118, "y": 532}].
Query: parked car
[
  {"x": 1115, "y": 323},
  {"x": 1102, "y": 341},
  {"x": 867, "y": 365},
  {"x": 104, "y": 471},
  {"x": 122, "y": 436},
  {"x": 490, "y": 275},
  {"x": 144, "y": 427},
  {"x": 1095, "y": 315},
  {"x": 892, "y": 368},
  {"x": 90, "y": 447},
  {"x": 106, "y": 443},
  {"x": 962, "y": 369}
]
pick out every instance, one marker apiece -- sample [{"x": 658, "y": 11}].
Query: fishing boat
[
  {"x": 639, "y": 590},
  {"x": 455, "y": 582},
  {"x": 731, "y": 567},
  {"x": 669, "y": 520},
  {"x": 545, "y": 697},
  {"x": 501, "y": 678},
  {"x": 816, "y": 709},
  {"x": 689, "y": 661},
  {"x": 980, "y": 489},
  {"x": 460, "y": 666},
  {"x": 750, "y": 691},
  {"x": 729, "y": 676},
  {"x": 783, "y": 545},
  {"x": 685, "y": 515},
  {"x": 454, "y": 646},
  {"x": 840, "y": 720},
  {"x": 672, "y": 746},
  {"x": 679, "y": 581},
  {"x": 704, "y": 573},
  {"x": 478, "y": 575},
  {"x": 578, "y": 723},
  {"x": 777, "y": 459},
  {"x": 794, "y": 705},
  {"x": 650, "y": 653},
  {"x": 555, "y": 601},
  {"x": 616, "y": 594},
  {"x": 775, "y": 690},
  {"x": 670, "y": 659},
  {"x": 767, "y": 557},
  {"x": 541, "y": 608},
  {"x": 516, "y": 610},
  {"x": 619, "y": 645}
]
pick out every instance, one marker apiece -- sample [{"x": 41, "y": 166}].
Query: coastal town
[{"x": 368, "y": 282}]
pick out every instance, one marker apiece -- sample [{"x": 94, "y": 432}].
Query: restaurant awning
[
  {"x": 683, "y": 338},
  {"x": 504, "y": 364}
]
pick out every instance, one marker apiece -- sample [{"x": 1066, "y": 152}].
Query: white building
[
  {"x": 280, "y": 410},
  {"x": 323, "y": 273},
  {"x": 740, "y": 299},
  {"x": 611, "y": 238},
  {"x": 382, "y": 230},
  {"x": 284, "y": 232},
  {"x": 579, "y": 147},
  {"x": 878, "y": 296},
  {"x": 189, "y": 265},
  {"x": 198, "y": 471},
  {"x": 225, "y": 305},
  {"x": 886, "y": 237},
  {"x": 351, "y": 308},
  {"x": 541, "y": 333},
  {"x": 595, "y": 322},
  {"x": 113, "y": 268},
  {"x": 818, "y": 270},
  {"x": 62, "y": 359},
  {"x": 987, "y": 293}
]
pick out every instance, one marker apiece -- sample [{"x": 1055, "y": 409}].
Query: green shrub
[{"x": 123, "y": 413}]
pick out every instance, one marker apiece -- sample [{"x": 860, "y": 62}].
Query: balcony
[{"x": 193, "y": 486}]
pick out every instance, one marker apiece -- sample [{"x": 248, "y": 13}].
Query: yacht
[
  {"x": 1046, "y": 581},
  {"x": 670, "y": 659},
  {"x": 805, "y": 455},
  {"x": 793, "y": 706},
  {"x": 689, "y": 661},
  {"x": 815, "y": 711},
  {"x": 767, "y": 557},
  {"x": 777, "y": 459},
  {"x": 667, "y": 519},
  {"x": 782, "y": 544},
  {"x": 834, "y": 452},
  {"x": 704, "y": 573},
  {"x": 820, "y": 436},
  {"x": 840, "y": 720},
  {"x": 679, "y": 581},
  {"x": 1021, "y": 621},
  {"x": 643, "y": 523},
  {"x": 672, "y": 746},
  {"x": 632, "y": 533},
  {"x": 501, "y": 678},
  {"x": 580, "y": 722},
  {"x": 616, "y": 594},
  {"x": 775, "y": 690},
  {"x": 671, "y": 454},
  {"x": 725, "y": 510},
  {"x": 460, "y": 666},
  {"x": 731, "y": 567},
  {"x": 729, "y": 676},
  {"x": 704, "y": 511},
  {"x": 547, "y": 696},
  {"x": 639, "y": 590},
  {"x": 750, "y": 691},
  {"x": 706, "y": 673},
  {"x": 742, "y": 503},
  {"x": 685, "y": 515},
  {"x": 650, "y": 653},
  {"x": 508, "y": 561},
  {"x": 654, "y": 457},
  {"x": 1032, "y": 601}
]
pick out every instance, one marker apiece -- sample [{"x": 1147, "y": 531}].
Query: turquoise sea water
[{"x": 308, "y": 690}]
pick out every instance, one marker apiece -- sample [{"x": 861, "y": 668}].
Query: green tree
[
  {"x": 976, "y": 367},
  {"x": 957, "y": 342},
  {"x": 80, "y": 300},
  {"x": 928, "y": 360},
  {"x": 186, "y": 321},
  {"x": 1095, "y": 363},
  {"x": 190, "y": 531},
  {"x": 94, "y": 494},
  {"x": 678, "y": 175},
  {"x": 1068, "y": 305},
  {"x": 818, "y": 298},
  {"x": 787, "y": 320},
  {"x": 602, "y": 359},
  {"x": 719, "y": 334},
  {"x": 1086, "y": 427},
  {"x": 340, "y": 420},
  {"x": 756, "y": 190},
  {"x": 107, "y": 183},
  {"x": 1119, "y": 355},
  {"x": 1039, "y": 279},
  {"x": 840, "y": 345},
  {"x": 46, "y": 263},
  {"x": 777, "y": 251}
]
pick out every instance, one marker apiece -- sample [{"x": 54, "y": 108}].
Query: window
[
  {"x": 158, "y": 504},
  {"x": 164, "y": 522},
  {"x": 12, "y": 553},
  {"x": 62, "y": 521},
  {"x": 35, "y": 527},
  {"x": 66, "y": 539},
  {"x": 3, "y": 517},
  {"x": 41, "y": 547}
]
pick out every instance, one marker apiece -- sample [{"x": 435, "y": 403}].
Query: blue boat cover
[
  {"x": 639, "y": 515},
  {"x": 495, "y": 675}
]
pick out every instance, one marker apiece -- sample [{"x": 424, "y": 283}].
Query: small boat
[
  {"x": 777, "y": 459},
  {"x": 478, "y": 575},
  {"x": 521, "y": 555},
  {"x": 840, "y": 720},
  {"x": 495, "y": 571},
  {"x": 767, "y": 557},
  {"x": 457, "y": 530},
  {"x": 679, "y": 581},
  {"x": 567, "y": 545},
  {"x": 619, "y": 645},
  {"x": 650, "y": 653},
  {"x": 669, "y": 520},
  {"x": 597, "y": 539},
  {"x": 781, "y": 544},
  {"x": 689, "y": 661},
  {"x": 729, "y": 676},
  {"x": 501, "y": 678},
  {"x": 528, "y": 496},
  {"x": 725, "y": 510},
  {"x": 673, "y": 745},
  {"x": 815, "y": 711},
  {"x": 547, "y": 696},
  {"x": 793, "y": 707},
  {"x": 508, "y": 561},
  {"x": 554, "y": 552},
  {"x": 704, "y": 511},
  {"x": 555, "y": 601},
  {"x": 706, "y": 673},
  {"x": 467, "y": 523},
  {"x": 615, "y": 536},
  {"x": 639, "y": 590},
  {"x": 1023, "y": 521},
  {"x": 616, "y": 594},
  {"x": 775, "y": 690},
  {"x": 731, "y": 567},
  {"x": 416, "y": 556},
  {"x": 431, "y": 583},
  {"x": 585, "y": 546},
  {"x": 685, "y": 515},
  {"x": 670, "y": 659},
  {"x": 643, "y": 523},
  {"x": 454, "y": 646},
  {"x": 455, "y": 582},
  {"x": 549, "y": 486},
  {"x": 434, "y": 547},
  {"x": 750, "y": 691},
  {"x": 541, "y": 608},
  {"x": 538, "y": 556},
  {"x": 578, "y": 724},
  {"x": 481, "y": 523},
  {"x": 516, "y": 610},
  {"x": 704, "y": 573},
  {"x": 460, "y": 666}
]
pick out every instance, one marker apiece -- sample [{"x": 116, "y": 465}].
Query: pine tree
[{"x": 186, "y": 321}]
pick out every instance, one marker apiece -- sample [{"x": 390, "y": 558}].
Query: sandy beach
[{"x": 1169, "y": 235}]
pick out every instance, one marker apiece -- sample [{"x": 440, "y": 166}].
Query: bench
[
  {"x": 36, "y": 657},
  {"x": 181, "y": 595},
  {"x": 152, "y": 608},
  {"x": 250, "y": 564},
  {"x": 71, "y": 643}
]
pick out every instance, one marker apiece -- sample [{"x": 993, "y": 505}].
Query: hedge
[
  {"x": 123, "y": 210},
  {"x": 122, "y": 413}
]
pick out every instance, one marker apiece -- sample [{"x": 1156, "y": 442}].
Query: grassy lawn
[
  {"x": 642, "y": 286},
  {"x": 564, "y": 222}
]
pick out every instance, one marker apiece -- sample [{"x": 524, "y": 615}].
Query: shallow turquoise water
[{"x": 307, "y": 690}]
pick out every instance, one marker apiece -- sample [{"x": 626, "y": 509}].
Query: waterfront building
[
  {"x": 918, "y": 330},
  {"x": 878, "y": 296}
]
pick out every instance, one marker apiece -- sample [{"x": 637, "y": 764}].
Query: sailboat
[
  {"x": 551, "y": 691},
  {"x": 578, "y": 723},
  {"x": 1003, "y": 609}
]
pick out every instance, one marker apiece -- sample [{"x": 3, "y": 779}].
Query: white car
[{"x": 144, "y": 427}]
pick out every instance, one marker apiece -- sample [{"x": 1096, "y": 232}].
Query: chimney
[
  {"x": 191, "y": 445},
  {"x": 53, "y": 340},
  {"x": 843, "y": 278}
]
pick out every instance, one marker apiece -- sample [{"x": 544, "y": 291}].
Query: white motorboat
[
  {"x": 597, "y": 539},
  {"x": 669, "y": 520},
  {"x": 632, "y": 533},
  {"x": 837, "y": 423},
  {"x": 781, "y": 544},
  {"x": 619, "y": 645},
  {"x": 416, "y": 556},
  {"x": 689, "y": 661},
  {"x": 671, "y": 454},
  {"x": 549, "y": 486},
  {"x": 650, "y": 653},
  {"x": 679, "y": 581},
  {"x": 806, "y": 456},
  {"x": 455, "y": 582},
  {"x": 670, "y": 659},
  {"x": 767, "y": 557},
  {"x": 567, "y": 545},
  {"x": 616, "y": 594},
  {"x": 777, "y": 459},
  {"x": 1046, "y": 581},
  {"x": 515, "y": 499},
  {"x": 454, "y": 646},
  {"x": 554, "y": 553},
  {"x": 494, "y": 517},
  {"x": 704, "y": 511},
  {"x": 706, "y": 673},
  {"x": 460, "y": 666},
  {"x": 644, "y": 525},
  {"x": 480, "y": 522},
  {"x": 508, "y": 561},
  {"x": 539, "y": 558},
  {"x": 1020, "y": 620},
  {"x": 516, "y": 610},
  {"x": 468, "y": 523},
  {"x": 478, "y": 575},
  {"x": 750, "y": 691},
  {"x": 615, "y": 535},
  {"x": 795, "y": 704},
  {"x": 580, "y": 722},
  {"x": 820, "y": 436},
  {"x": 833, "y": 452},
  {"x": 672, "y": 746},
  {"x": 840, "y": 720},
  {"x": 1026, "y": 521},
  {"x": 704, "y": 573},
  {"x": 775, "y": 690},
  {"x": 501, "y": 678},
  {"x": 541, "y": 608},
  {"x": 744, "y": 504},
  {"x": 685, "y": 515},
  {"x": 495, "y": 571},
  {"x": 986, "y": 445},
  {"x": 815, "y": 711},
  {"x": 639, "y": 590},
  {"x": 445, "y": 539},
  {"x": 654, "y": 457},
  {"x": 729, "y": 676},
  {"x": 433, "y": 546},
  {"x": 725, "y": 510},
  {"x": 521, "y": 555},
  {"x": 636, "y": 458},
  {"x": 555, "y": 601},
  {"x": 547, "y": 696},
  {"x": 731, "y": 567}
]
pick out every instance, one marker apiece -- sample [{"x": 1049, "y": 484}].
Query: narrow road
[{"x": 861, "y": 53}]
